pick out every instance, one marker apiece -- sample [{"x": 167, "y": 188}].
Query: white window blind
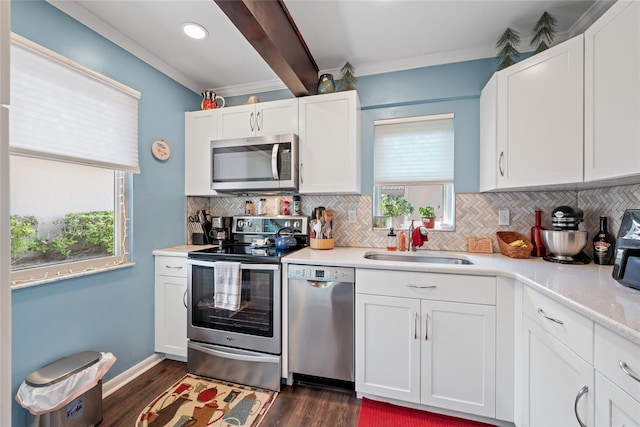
[
  {"x": 415, "y": 149},
  {"x": 60, "y": 110}
]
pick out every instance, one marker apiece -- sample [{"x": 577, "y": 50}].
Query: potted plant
[
  {"x": 395, "y": 207},
  {"x": 428, "y": 216}
]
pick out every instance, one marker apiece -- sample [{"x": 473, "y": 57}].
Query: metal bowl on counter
[{"x": 565, "y": 242}]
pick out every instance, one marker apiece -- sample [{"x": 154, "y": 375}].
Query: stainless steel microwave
[{"x": 267, "y": 163}]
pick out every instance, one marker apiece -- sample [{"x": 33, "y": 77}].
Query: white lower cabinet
[
  {"x": 617, "y": 362},
  {"x": 170, "y": 306},
  {"x": 614, "y": 407},
  {"x": 418, "y": 350},
  {"x": 558, "y": 384}
]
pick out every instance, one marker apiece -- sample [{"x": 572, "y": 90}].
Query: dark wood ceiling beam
[{"x": 268, "y": 26}]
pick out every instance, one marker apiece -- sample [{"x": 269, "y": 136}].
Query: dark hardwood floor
[{"x": 295, "y": 405}]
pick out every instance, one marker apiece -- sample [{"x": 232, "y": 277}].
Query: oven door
[{"x": 255, "y": 326}]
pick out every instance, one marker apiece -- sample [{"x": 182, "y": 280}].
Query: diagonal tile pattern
[{"x": 476, "y": 213}]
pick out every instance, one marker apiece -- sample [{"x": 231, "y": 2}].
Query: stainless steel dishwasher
[{"x": 321, "y": 321}]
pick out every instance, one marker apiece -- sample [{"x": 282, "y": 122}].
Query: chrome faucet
[{"x": 410, "y": 246}]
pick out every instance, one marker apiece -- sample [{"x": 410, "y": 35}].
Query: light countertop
[
  {"x": 180, "y": 251},
  {"x": 587, "y": 289}
]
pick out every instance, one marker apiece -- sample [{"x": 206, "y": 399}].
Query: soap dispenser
[{"x": 392, "y": 242}]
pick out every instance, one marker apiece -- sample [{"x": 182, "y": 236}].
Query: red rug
[{"x": 381, "y": 414}]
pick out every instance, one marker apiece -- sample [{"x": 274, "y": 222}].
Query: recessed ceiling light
[{"x": 195, "y": 31}]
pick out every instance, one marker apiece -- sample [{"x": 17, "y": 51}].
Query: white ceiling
[{"x": 374, "y": 35}]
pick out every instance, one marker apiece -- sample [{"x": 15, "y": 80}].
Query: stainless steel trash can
[{"x": 83, "y": 411}]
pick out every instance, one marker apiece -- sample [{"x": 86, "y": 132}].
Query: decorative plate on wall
[{"x": 160, "y": 149}]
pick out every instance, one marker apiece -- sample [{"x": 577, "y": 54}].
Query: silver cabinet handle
[
  {"x": 626, "y": 370},
  {"x": 426, "y": 326},
  {"x": 541, "y": 313},
  {"x": 415, "y": 327},
  {"x": 301, "y": 172},
  {"x": 258, "y": 121},
  {"x": 251, "y": 122},
  {"x": 581, "y": 393},
  {"x": 408, "y": 285},
  {"x": 184, "y": 299},
  {"x": 500, "y": 163},
  {"x": 174, "y": 267}
]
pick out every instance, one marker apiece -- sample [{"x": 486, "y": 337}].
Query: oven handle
[
  {"x": 228, "y": 355},
  {"x": 243, "y": 266}
]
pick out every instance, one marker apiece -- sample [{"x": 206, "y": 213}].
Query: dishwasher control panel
[{"x": 327, "y": 274}]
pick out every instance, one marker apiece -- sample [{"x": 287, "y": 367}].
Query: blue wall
[
  {"x": 451, "y": 88},
  {"x": 110, "y": 311}
]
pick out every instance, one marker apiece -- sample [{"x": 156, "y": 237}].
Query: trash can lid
[{"x": 62, "y": 368}]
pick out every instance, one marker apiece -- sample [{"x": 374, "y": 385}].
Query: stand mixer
[{"x": 565, "y": 243}]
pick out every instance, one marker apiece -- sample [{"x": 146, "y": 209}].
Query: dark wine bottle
[
  {"x": 603, "y": 244},
  {"x": 536, "y": 236}
]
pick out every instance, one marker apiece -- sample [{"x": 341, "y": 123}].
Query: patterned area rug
[
  {"x": 381, "y": 414},
  {"x": 198, "y": 402}
]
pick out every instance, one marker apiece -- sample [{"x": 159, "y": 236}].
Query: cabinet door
[
  {"x": 614, "y": 407},
  {"x": 277, "y": 117},
  {"x": 200, "y": 128},
  {"x": 554, "y": 378},
  {"x": 388, "y": 347},
  {"x": 612, "y": 94},
  {"x": 489, "y": 166},
  {"x": 330, "y": 143},
  {"x": 237, "y": 122},
  {"x": 540, "y": 118},
  {"x": 458, "y": 356},
  {"x": 170, "y": 306}
]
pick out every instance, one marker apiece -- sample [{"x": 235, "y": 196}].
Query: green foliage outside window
[{"x": 79, "y": 234}]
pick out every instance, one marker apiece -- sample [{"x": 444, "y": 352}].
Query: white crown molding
[
  {"x": 87, "y": 18},
  {"x": 250, "y": 88},
  {"x": 589, "y": 17}
]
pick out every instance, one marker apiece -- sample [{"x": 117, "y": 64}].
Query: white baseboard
[{"x": 130, "y": 374}]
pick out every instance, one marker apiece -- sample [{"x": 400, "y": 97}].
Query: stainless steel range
[{"x": 241, "y": 344}]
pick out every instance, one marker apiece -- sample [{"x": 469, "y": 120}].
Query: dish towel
[
  {"x": 227, "y": 281},
  {"x": 417, "y": 238}
]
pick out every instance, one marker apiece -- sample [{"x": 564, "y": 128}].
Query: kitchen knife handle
[
  {"x": 500, "y": 163},
  {"x": 625, "y": 369},
  {"x": 581, "y": 393},
  {"x": 251, "y": 122},
  {"x": 541, "y": 313}
]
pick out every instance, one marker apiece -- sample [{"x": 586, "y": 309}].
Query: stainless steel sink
[{"x": 427, "y": 259}]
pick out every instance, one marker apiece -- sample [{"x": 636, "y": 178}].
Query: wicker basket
[
  {"x": 506, "y": 237},
  {"x": 483, "y": 245}
]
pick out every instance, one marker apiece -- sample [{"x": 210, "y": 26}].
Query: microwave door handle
[{"x": 274, "y": 161}]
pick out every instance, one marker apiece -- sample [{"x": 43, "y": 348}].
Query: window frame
[
  {"x": 122, "y": 179},
  {"x": 446, "y": 220}
]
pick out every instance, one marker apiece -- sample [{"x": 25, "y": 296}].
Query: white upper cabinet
[
  {"x": 532, "y": 115},
  {"x": 612, "y": 94},
  {"x": 200, "y": 128},
  {"x": 262, "y": 118},
  {"x": 330, "y": 143}
]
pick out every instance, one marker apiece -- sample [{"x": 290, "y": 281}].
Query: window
[
  {"x": 73, "y": 138},
  {"x": 413, "y": 159}
]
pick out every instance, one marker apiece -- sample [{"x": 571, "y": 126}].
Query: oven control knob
[
  {"x": 240, "y": 223},
  {"x": 296, "y": 224},
  {"x": 249, "y": 223},
  {"x": 287, "y": 223}
]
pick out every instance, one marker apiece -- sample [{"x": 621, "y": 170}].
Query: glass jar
[
  {"x": 260, "y": 208},
  {"x": 248, "y": 207}
]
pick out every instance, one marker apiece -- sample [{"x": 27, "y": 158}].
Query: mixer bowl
[{"x": 564, "y": 243}]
